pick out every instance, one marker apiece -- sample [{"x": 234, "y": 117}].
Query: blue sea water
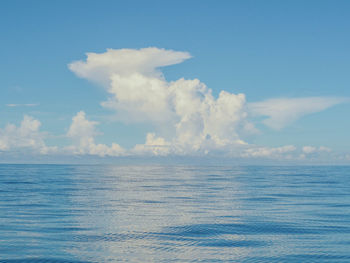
[{"x": 87, "y": 213}]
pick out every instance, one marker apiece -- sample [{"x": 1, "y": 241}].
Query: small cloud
[
  {"x": 312, "y": 149},
  {"x": 283, "y": 152},
  {"x": 309, "y": 149},
  {"x": 281, "y": 112},
  {"x": 22, "y": 105},
  {"x": 83, "y": 132},
  {"x": 26, "y": 136},
  {"x": 324, "y": 149},
  {"x": 153, "y": 145}
]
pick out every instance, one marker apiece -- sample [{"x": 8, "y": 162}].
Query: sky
[{"x": 250, "y": 81}]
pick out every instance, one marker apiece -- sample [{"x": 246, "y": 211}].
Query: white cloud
[
  {"x": 266, "y": 152},
  {"x": 153, "y": 146},
  {"x": 139, "y": 92},
  {"x": 314, "y": 153},
  {"x": 283, "y": 111},
  {"x": 312, "y": 149},
  {"x": 324, "y": 149},
  {"x": 123, "y": 62},
  {"x": 22, "y": 105},
  {"x": 309, "y": 149},
  {"x": 26, "y": 136},
  {"x": 185, "y": 115},
  {"x": 83, "y": 131}
]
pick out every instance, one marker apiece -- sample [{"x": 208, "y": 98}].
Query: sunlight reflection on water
[{"x": 71, "y": 213}]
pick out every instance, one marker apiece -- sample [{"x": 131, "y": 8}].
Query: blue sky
[{"x": 293, "y": 52}]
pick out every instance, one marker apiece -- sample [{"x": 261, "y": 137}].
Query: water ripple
[{"x": 73, "y": 214}]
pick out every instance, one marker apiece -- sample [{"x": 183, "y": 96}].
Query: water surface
[{"x": 72, "y": 213}]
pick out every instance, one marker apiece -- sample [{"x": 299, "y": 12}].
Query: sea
[{"x": 165, "y": 213}]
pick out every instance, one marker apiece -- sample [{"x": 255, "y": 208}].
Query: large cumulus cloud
[
  {"x": 187, "y": 119},
  {"x": 139, "y": 92},
  {"x": 194, "y": 120}
]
